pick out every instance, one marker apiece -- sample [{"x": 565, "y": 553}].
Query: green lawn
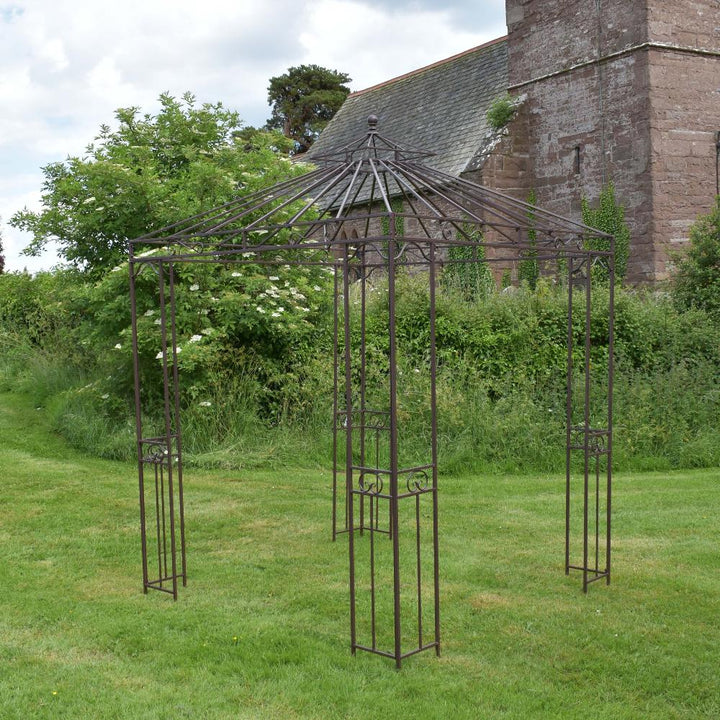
[{"x": 262, "y": 631}]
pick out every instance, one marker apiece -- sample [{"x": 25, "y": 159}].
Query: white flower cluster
[{"x": 161, "y": 354}]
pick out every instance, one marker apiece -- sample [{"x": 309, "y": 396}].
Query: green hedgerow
[{"x": 697, "y": 280}]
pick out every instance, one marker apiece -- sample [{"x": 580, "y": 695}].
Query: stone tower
[{"x": 627, "y": 92}]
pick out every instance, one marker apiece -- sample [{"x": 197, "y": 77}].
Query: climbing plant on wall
[
  {"x": 529, "y": 268},
  {"x": 608, "y": 216}
]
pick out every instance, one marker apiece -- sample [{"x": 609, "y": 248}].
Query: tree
[
  {"x": 304, "y": 100},
  {"x": 149, "y": 172},
  {"x": 696, "y": 283}
]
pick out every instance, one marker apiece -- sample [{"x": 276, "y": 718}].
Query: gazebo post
[
  {"x": 394, "y": 465},
  {"x": 336, "y": 408},
  {"x": 586, "y": 418},
  {"x": 594, "y": 442},
  {"x": 611, "y": 378},
  {"x": 162, "y": 453},
  {"x": 568, "y": 409},
  {"x": 349, "y": 502},
  {"x": 138, "y": 416},
  {"x": 434, "y": 450},
  {"x": 173, "y": 428}
]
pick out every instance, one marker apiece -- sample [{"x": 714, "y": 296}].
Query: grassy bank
[{"x": 261, "y": 631}]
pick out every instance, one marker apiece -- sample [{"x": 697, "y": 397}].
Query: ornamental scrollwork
[
  {"x": 418, "y": 481},
  {"x": 597, "y": 440},
  {"x": 375, "y": 487},
  {"x": 157, "y": 454},
  {"x": 447, "y": 229}
]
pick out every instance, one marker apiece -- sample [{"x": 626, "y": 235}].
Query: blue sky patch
[{"x": 8, "y": 13}]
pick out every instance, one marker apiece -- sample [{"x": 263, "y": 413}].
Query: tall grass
[{"x": 501, "y": 382}]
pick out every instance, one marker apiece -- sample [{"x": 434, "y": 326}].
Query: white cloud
[
  {"x": 16, "y": 193},
  {"x": 67, "y": 65},
  {"x": 374, "y": 44}
]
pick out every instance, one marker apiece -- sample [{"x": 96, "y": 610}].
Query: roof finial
[{"x": 372, "y": 123}]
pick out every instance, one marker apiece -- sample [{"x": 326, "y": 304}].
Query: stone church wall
[{"x": 607, "y": 101}]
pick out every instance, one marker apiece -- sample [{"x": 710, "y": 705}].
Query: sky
[{"x": 67, "y": 65}]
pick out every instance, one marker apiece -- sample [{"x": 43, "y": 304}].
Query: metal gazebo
[{"x": 371, "y": 211}]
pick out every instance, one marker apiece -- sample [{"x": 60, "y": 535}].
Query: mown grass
[{"x": 261, "y": 631}]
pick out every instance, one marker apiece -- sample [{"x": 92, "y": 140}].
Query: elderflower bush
[{"x": 228, "y": 317}]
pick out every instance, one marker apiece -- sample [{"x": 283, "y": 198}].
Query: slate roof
[{"x": 440, "y": 108}]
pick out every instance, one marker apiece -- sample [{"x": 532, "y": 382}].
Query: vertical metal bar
[
  {"x": 363, "y": 408},
  {"x": 586, "y": 428},
  {"x": 434, "y": 448},
  {"x": 348, "y": 445},
  {"x": 597, "y": 513},
  {"x": 168, "y": 421},
  {"x": 568, "y": 413},
  {"x": 394, "y": 510},
  {"x": 377, "y": 448},
  {"x": 163, "y": 522},
  {"x": 335, "y": 403},
  {"x": 419, "y": 571},
  {"x": 158, "y": 500},
  {"x": 611, "y": 372},
  {"x": 373, "y": 615},
  {"x": 178, "y": 429},
  {"x": 138, "y": 418},
  {"x": 377, "y": 465}
]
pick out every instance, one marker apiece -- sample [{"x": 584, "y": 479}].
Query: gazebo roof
[{"x": 345, "y": 198}]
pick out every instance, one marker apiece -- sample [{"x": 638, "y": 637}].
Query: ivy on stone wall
[
  {"x": 397, "y": 206},
  {"x": 529, "y": 268},
  {"x": 467, "y": 273},
  {"x": 608, "y": 217}
]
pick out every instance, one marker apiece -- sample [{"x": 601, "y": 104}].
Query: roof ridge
[{"x": 430, "y": 67}]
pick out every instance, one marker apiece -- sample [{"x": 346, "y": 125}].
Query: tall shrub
[{"x": 697, "y": 279}]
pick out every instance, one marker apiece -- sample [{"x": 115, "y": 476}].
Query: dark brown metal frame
[{"x": 341, "y": 215}]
